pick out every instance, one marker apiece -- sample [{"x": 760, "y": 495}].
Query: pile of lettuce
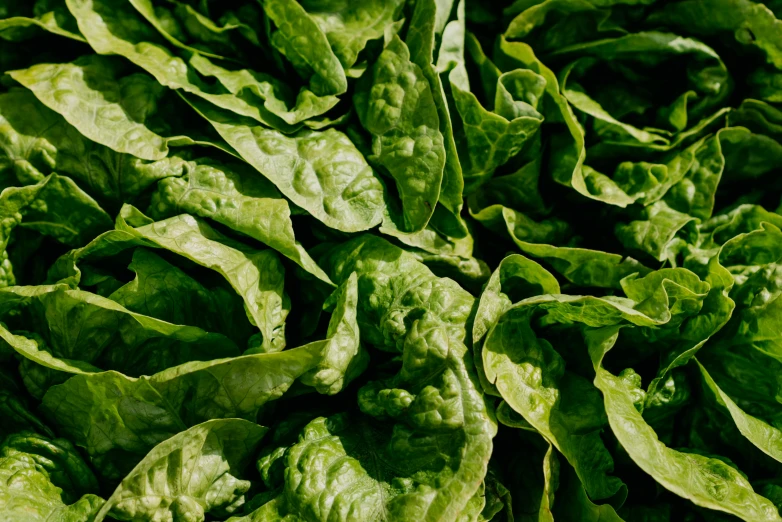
[{"x": 390, "y": 260}]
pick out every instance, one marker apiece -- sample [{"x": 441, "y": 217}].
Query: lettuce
[{"x": 387, "y": 260}]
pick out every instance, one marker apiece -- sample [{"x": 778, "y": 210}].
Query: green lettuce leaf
[
  {"x": 301, "y": 40},
  {"x": 322, "y": 172},
  {"x": 431, "y": 411},
  {"x": 255, "y": 275},
  {"x": 235, "y": 196},
  {"x": 189, "y": 475},
  {"x": 114, "y": 111},
  {"x": 117, "y": 418},
  {"x": 48, "y": 15},
  {"x": 712, "y": 483},
  {"x": 396, "y": 106},
  {"x": 43, "y": 479}
]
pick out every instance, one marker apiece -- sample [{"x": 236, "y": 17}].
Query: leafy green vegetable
[
  {"x": 713, "y": 483},
  {"x": 300, "y": 39},
  {"x": 197, "y": 468},
  {"x": 21, "y": 23},
  {"x": 45, "y": 479},
  {"x": 396, "y": 105},
  {"x": 106, "y": 109},
  {"x": 423, "y": 260},
  {"x": 322, "y": 172}
]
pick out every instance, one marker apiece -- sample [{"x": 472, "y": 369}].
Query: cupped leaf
[
  {"x": 189, "y": 475},
  {"x": 236, "y": 196},
  {"x": 45, "y": 480},
  {"x": 82, "y": 326},
  {"x": 491, "y": 136},
  {"x": 711, "y": 482},
  {"x": 55, "y": 207},
  {"x": 117, "y": 418},
  {"x": 516, "y": 278},
  {"x": 166, "y": 292},
  {"x": 256, "y": 275},
  {"x": 707, "y": 75},
  {"x": 531, "y": 376},
  {"x": 581, "y": 266}
]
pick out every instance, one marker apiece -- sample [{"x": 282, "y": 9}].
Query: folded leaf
[
  {"x": 107, "y": 109},
  {"x": 711, "y": 483},
  {"x": 322, "y": 172},
  {"x": 236, "y": 196},
  {"x": 42, "y": 480},
  {"x": 114, "y": 27},
  {"x": 52, "y": 16},
  {"x": 396, "y": 106},
  {"x": 300, "y": 39},
  {"x": 189, "y": 475},
  {"x": 82, "y": 326},
  {"x": 117, "y": 418},
  {"x": 767, "y": 438},
  {"x": 256, "y": 275}
]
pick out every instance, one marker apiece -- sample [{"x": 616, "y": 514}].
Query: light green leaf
[
  {"x": 581, "y": 266},
  {"x": 114, "y": 27},
  {"x": 104, "y": 107},
  {"x": 530, "y": 375},
  {"x": 427, "y": 414},
  {"x": 34, "y": 141},
  {"x": 427, "y": 23},
  {"x": 117, "y": 418},
  {"x": 256, "y": 275},
  {"x": 189, "y": 475},
  {"x": 42, "y": 480},
  {"x": 396, "y": 105},
  {"x": 300, "y": 39},
  {"x": 277, "y": 97},
  {"x": 353, "y": 24},
  {"x": 342, "y": 357},
  {"x": 491, "y": 136},
  {"x": 322, "y": 172},
  {"x": 236, "y": 196}
]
